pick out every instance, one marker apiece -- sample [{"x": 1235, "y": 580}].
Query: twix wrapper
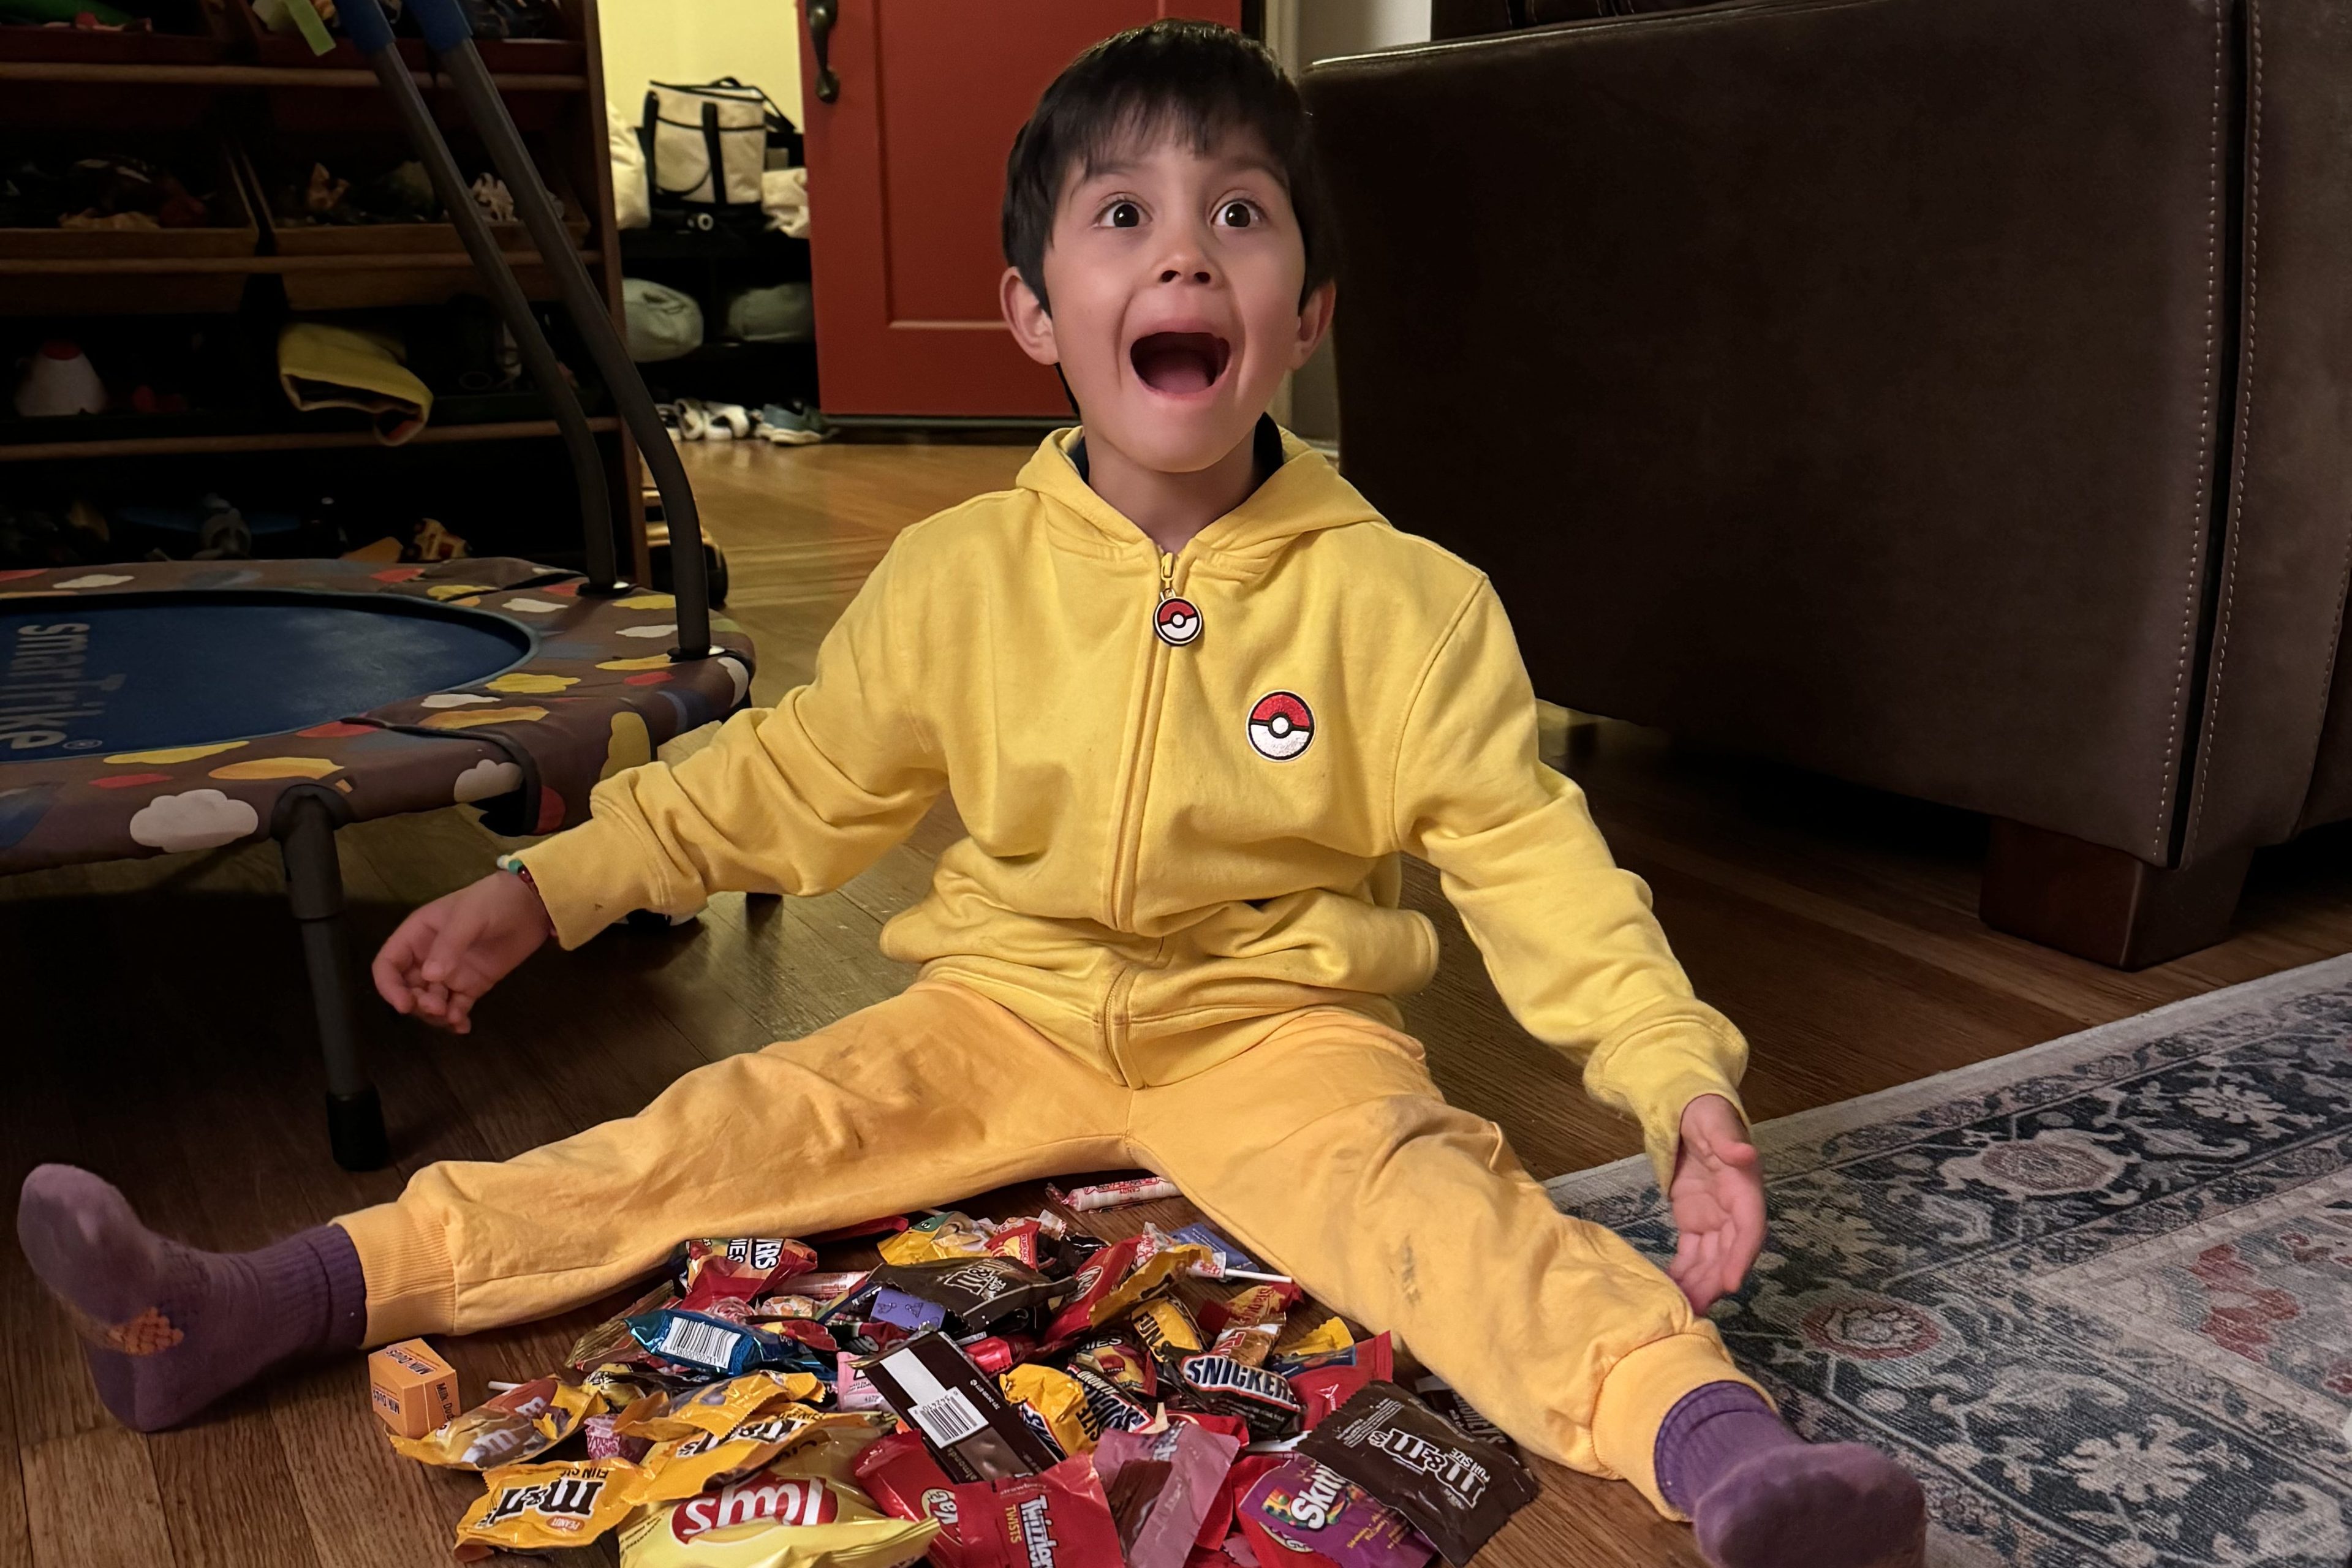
[
  {"x": 1054, "y": 1403},
  {"x": 1169, "y": 1334}
]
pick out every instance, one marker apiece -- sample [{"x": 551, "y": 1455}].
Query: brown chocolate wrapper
[
  {"x": 977, "y": 1292},
  {"x": 1440, "y": 1397},
  {"x": 976, "y": 1434},
  {"x": 1455, "y": 1490}
]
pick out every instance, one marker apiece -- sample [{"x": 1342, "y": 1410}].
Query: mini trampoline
[{"x": 162, "y": 706}]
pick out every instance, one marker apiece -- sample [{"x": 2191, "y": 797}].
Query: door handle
[{"x": 822, "y": 14}]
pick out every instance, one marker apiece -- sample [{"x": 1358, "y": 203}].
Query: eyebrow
[{"x": 1128, "y": 165}]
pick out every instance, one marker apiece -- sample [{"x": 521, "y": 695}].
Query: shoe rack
[{"x": 255, "y": 95}]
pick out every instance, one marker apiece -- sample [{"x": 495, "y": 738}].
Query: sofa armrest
[{"x": 1837, "y": 379}]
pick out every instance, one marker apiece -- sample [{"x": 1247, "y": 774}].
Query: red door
[{"x": 905, "y": 176}]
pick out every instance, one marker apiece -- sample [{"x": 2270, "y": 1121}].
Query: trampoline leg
[{"x": 314, "y": 886}]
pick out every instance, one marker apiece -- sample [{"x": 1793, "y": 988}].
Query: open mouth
[{"x": 1179, "y": 363}]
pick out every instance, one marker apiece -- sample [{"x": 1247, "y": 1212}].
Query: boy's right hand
[{"x": 447, "y": 954}]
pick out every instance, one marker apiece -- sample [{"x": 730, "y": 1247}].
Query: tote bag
[{"x": 705, "y": 147}]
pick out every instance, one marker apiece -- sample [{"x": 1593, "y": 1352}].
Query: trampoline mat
[
  {"x": 138, "y": 675},
  {"x": 159, "y": 707}
]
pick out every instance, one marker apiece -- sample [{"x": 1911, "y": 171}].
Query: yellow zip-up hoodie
[{"x": 1173, "y": 842}]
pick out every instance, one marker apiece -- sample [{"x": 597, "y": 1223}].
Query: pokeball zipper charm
[
  {"x": 1178, "y": 619},
  {"x": 1178, "y": 622}
]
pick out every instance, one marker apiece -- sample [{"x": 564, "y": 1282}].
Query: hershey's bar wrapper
[
  {"x": 1455, "y": 1490},
  {"x": 956, "y": 1408}
]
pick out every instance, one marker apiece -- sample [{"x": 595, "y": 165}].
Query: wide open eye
[
  {"x": 1123, "y": 216},
  {"x": 1237, "y": 215}
]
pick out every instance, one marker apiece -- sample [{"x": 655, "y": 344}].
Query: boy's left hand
[{"x": 1718, "y": 1196}]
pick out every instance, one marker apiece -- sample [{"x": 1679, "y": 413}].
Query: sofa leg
[{"x": 2100, "y": 903}]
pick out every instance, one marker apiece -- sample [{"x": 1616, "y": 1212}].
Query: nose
[{"x": 1188, "y": 258}]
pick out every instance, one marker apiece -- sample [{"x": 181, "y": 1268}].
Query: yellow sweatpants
[{"x": 1324, "y": 1148}]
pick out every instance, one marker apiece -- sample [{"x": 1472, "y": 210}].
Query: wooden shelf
[
  {"x": 283, "y": 440},
  {"x": 270, "y": 95},
  {"x": 259, "y": 76},
  {"x": 382, "y": 261}
]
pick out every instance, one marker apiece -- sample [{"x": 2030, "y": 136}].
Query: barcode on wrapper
[
  {"x": 950, "y": 1419},
  {"x": 704, "y": 1344}
]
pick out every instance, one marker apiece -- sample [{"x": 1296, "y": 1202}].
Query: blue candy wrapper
[
  {"x": 724, "y": 1349},
  {"x": 1200, "y": 1233}
]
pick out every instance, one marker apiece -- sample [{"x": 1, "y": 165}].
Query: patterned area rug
[{"x": 2097, "y": 1293}]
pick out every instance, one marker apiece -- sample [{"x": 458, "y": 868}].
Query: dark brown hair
[{"x": 1170, "y": 77}]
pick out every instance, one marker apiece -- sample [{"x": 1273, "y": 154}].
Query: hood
[{"x": 1303, "y": 496}]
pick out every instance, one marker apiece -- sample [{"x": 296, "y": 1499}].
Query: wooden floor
[{"x": 155, "y": 1021}]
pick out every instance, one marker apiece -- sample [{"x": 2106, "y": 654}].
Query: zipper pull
[{"x": 1177, "y": 621}]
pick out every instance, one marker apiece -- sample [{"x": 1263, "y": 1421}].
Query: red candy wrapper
[
  {"x": 1232, "y": 1426},
  {"x": 1098, "y": 1278},
  {"x": 999, "y": 1354},
  {"x": 1376, "y": 1356},
  {"x": 1323, "y": 1389},
  {"x": 899, "y": 1474},
  {"x": 740, "y": 1268},
  {"x": 1056, "y": 1519},
  {"x": 1016, "y": 1239}
]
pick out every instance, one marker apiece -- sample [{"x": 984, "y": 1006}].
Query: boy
[{"x": 1193, "y": 696}]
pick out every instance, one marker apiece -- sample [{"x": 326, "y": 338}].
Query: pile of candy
[{"x": 1013, "y": 1394}]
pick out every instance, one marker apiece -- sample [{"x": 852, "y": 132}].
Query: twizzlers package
[
  {"x": 1057, "y": 1520},
  {"x": 1455, "y": 1490}
]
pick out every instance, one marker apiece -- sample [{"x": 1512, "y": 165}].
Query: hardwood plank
[{"x": 91, "y": 1500}]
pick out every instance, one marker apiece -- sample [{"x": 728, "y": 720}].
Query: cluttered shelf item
[
  {"x": 988, "y": 1394},
  {"x": 281, "y": 440},
  {"x": 261, "y": 381},
  {"x": 177, "y": 98},
  {"x": 123, "y": 40},
  {"x": 146, "y": 74},
  {"x": 368, "y": 685}
]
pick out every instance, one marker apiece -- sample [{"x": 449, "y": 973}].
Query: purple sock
[
  {"x": 170, "y": 1329},
  {"x": 1761, "y": 1497}
]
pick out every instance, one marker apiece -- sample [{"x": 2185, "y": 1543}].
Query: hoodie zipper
[{"x": 1126, "y": 848}]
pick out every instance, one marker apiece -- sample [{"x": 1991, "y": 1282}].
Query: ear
[
  {"x": 1314, "y": 321},
  {"x": 1033, "y": 326}
]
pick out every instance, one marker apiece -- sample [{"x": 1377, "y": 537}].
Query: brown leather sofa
[{"x": 1951, "y": 395}]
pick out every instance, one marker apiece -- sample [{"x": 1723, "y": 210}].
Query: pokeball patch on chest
[
  {"x": 1280, "y": 725},
  {"x": 1178, "y": 623}
]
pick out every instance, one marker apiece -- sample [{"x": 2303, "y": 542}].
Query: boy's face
[{"x": 1174, "y": 278}]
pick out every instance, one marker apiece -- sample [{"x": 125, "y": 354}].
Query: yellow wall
[{"x": 755, "y": 41}]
